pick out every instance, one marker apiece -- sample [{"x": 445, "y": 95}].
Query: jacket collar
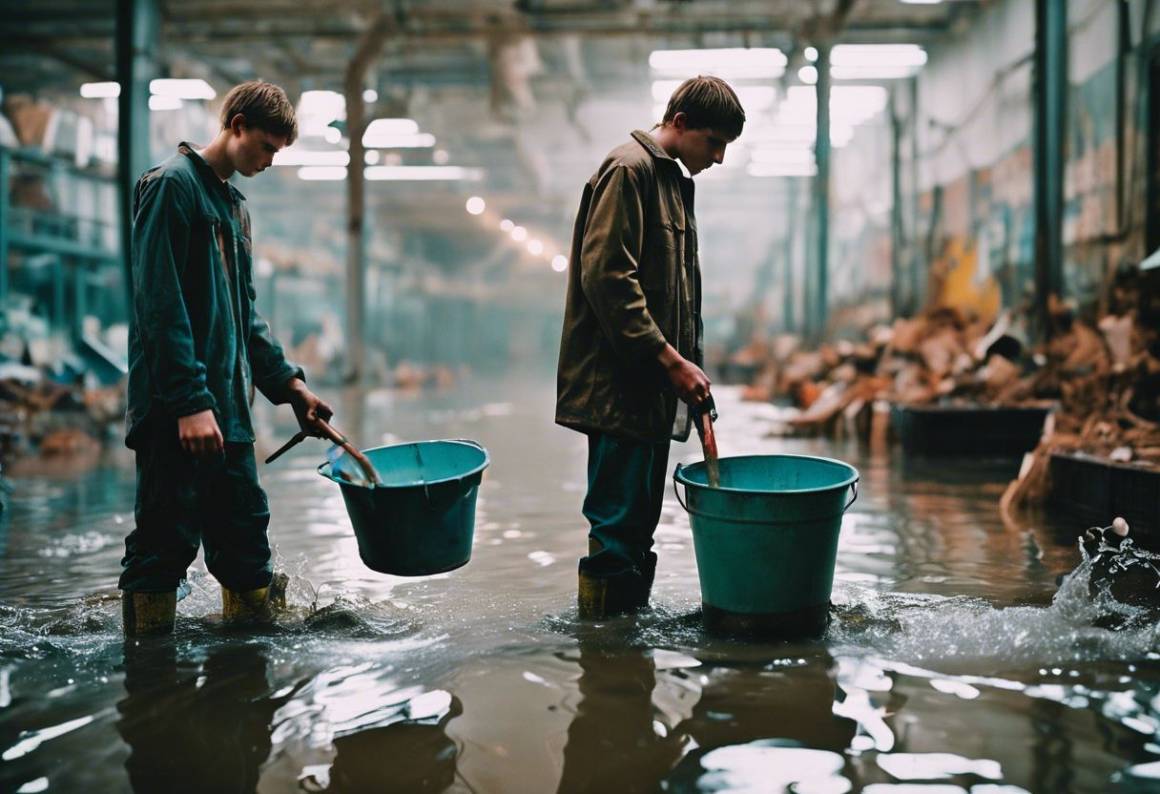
[
  {"x": 650, "y": 145},
  {"x": 208, "y": 174}
]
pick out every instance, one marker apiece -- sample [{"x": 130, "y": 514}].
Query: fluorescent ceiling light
[
  {"x": 476, "y": 205},
  {"x": 840, "y": 135},
  {"x": 100, "y": 90},
  {"x": 292, "y": 155},
  {"x": 182, "y": 89},
  {"x": 876, "y": 61},
  {"x": 317, "y": 109},
  {"x": 322, "y": 173},
  {"x": 753, "y": 98},
  {"x": 811, "y": 54},
  {"x": 849, "y": 104},
  {"x": 421, "y": 140},
  {"x": 808, "y": 75},
  {"x": 164, "y": 103},
  {"x": 422, "y": 173},
  {"x": 380, "y": 127},
  {"x": 739, "y": 62},
  {"x": 371, "y": 157}
]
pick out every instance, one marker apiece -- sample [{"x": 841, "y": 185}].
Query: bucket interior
[
  {"x": 774, "y": 473},
  {"x": 423, "y": 462}
]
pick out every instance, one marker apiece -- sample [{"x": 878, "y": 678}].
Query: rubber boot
[
  {"x": 148, "y": 614},
  {"x": 601, "y": 595},
  {"x": 255, "y": 606}
]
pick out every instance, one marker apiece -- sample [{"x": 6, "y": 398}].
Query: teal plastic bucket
[
  {"x": 766, "y": 541},
  {"x": 421, "y": 519}
]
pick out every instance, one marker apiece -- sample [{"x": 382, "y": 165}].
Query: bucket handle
[
  {"x": 853, "y": 494},
  {"x": 676, "y": 493}
]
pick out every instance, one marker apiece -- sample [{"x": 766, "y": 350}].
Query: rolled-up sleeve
[{"x": 609, "y": 258}]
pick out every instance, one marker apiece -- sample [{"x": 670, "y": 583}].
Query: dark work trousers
[
  {"x": 626, "y": 485},
  {"x": 182, "y": 503}
]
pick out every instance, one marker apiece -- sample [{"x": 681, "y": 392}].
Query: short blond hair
[
  {"x": 708, "y": 103},
  {"x": 264, "y": 105}
]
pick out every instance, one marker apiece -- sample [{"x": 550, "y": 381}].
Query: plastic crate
[
  {"x": 1098, "y": 490},
  {"x": 967, "y": 430}
]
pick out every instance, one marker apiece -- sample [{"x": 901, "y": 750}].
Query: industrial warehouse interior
[{"x": 580, "y": 396}]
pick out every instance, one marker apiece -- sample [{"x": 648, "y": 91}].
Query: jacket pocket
[{"x": 662, "y": 256}]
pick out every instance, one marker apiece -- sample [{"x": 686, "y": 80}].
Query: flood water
[{"x": 950, "y": 662}]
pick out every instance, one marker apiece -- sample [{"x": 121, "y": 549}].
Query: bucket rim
[
  {"x": 383, "y": 486},
  {"x": 678, "y": 475}
]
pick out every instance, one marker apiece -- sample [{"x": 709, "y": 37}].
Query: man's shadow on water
[
  {"x": 617, "y": 740},
  {"x": 207, "y": 728}
]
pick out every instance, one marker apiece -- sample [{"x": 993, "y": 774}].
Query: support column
[
  {"x": 5, "y": 222},
  {"x": 1050, "y": 89},
  {"x": 356, "y": 243},
  {"x": 789, "y": 299},
  {"x": 819, "y": 318},
  {"x": 917, "y": 264},
  {"x": 896, "y": 237},
  {"x": 138, "y": 30}
]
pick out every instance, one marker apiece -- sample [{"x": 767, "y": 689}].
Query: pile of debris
[
  {"x": 55, "y": 397},
  {"x": 945, "y": 357}
]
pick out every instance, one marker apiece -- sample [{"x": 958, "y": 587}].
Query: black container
[
  {"x": 1096, "y": 491},
  {"x": 967, "y": 430}
]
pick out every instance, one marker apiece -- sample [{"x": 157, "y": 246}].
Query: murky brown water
[{"x": 947, "y": 663}]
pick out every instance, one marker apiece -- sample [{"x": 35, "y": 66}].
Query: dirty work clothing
[
  {"x": 626, "y": 486},
  {"x": 634, "y": 283},
  {"x": 195, "y": 339},
  {"x": 183, "y": 502}
]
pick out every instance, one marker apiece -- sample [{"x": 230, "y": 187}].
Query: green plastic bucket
[
  {"x": 766, "y": 541},
  {"x": 421, "y": 519}
]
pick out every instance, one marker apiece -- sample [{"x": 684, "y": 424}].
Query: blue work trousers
[
  {"x": 626, "y": 486},
  {"x": 183, "y": 503}
]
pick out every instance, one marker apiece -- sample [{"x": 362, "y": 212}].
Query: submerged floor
[{"x": 947, "y": 663}]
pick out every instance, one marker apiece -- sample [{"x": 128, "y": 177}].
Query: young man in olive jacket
[
  {"x": 631, "y": 348},
  {"x": 197, "y": 349}
]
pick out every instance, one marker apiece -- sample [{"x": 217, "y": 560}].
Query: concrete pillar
[
  {"x": 819, "y": 311},
  {"x": 5, "y": 221},
  {"x": 896, "y": 235},
  {"x": 1050, "y": 96},
  {"x": 356, "y": 244},
  {"x": 138, "y": 30}
]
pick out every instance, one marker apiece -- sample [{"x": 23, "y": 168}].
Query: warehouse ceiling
[{"x": 530, "y": 92}]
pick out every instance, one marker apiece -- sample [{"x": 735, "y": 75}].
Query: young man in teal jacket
[{"x": 197, "y": 350}]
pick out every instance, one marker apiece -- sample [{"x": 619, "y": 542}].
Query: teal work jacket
[{"x": 196, "y": 341}]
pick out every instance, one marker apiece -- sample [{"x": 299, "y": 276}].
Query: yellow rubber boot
[
  {"x": 255, "y": 606},
  {"x": 148, "y": 614}
]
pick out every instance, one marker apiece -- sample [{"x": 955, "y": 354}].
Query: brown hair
[
  {"x": 264, "y": 106},
  {"x": 707, "y": 102}
]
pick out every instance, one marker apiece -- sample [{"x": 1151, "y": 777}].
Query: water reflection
[{"x": 196, "y": 727}]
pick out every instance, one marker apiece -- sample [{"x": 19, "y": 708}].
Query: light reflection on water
[{"x": 948, "y": 664}]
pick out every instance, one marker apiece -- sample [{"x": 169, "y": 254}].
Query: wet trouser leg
[
  {"x": 626, "y": 484},
  {"x": 183, "y": 503}
]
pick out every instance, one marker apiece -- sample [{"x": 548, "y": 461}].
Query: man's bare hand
[
  {"x": 199, "y": 434},
  {"x": 309, "y": 408},
  {"x": 689, "y": 381}
]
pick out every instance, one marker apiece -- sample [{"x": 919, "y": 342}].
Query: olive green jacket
[
  {"x": 634, "y": 283},
  {"x": 196, "y": 341}
]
